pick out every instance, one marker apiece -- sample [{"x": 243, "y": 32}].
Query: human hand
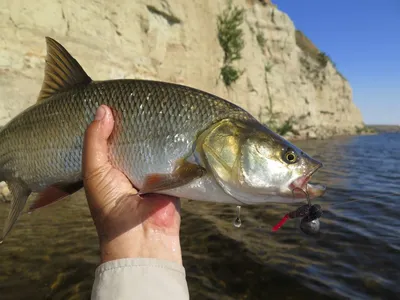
[{"x": 128, "y": 225}]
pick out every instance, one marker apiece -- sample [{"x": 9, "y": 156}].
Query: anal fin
[
  {"x": 19, "y": 193},
  {"x": 55, "y": 193},
  {"x": 183, "y": 174}
]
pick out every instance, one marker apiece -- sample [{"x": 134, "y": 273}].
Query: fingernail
[{"x": 100, "y": 113}]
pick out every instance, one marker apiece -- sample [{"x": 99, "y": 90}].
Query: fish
[{"x": 167, "y": 138}]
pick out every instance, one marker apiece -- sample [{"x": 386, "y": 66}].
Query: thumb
[{"x": 95, "y": 147}]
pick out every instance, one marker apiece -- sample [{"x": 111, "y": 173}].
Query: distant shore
[
  {"x": 303, "y": 138},
  {"x": 384, "y": 128},
  {"x": 366, "y": 130}
]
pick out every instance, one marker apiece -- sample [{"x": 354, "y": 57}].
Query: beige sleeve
[{"x": 140, "y": 278}]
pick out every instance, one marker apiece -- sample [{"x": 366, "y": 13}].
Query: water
[{"x": 52, "y": 254}]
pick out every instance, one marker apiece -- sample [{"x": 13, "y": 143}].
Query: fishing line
[
  {"x": 305, "y": 192},
  {"x": 350, "y": 201}
]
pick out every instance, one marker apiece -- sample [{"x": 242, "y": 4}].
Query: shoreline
[{"x": 320, "y": 138}]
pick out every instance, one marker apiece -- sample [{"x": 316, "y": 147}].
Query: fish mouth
[{"x": 301, "y": 187}]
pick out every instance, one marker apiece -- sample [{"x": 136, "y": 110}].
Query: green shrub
[
  {"x": 267, "y": 68},
  {"x": 323, "y": 59},
  {"x": 287, "y": 127},
  {"x": 261, "y": 40},
  {"x": 230, "y": 74},
  {"x": 271, "y": 120},
  {"x": 230, "y": 37}
]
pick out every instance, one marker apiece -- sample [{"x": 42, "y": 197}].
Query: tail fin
[{"x": 19, "y": 194}]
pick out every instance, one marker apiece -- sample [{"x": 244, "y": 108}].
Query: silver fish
[{"x": 168, "y": 138}]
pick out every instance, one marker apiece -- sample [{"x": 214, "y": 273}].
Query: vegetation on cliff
[{"x": 230, "y": 37}]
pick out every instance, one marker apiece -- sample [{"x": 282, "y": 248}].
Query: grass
[
  {"x": 305, "y": 44},
  {"x": 230, "y": 37}
]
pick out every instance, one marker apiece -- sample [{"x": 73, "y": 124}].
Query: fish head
[
  {"x": 255, "y": 165},
  {"x": 270, "y": 164}
]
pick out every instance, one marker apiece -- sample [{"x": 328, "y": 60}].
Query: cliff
[{"x": 254, "y": 57}]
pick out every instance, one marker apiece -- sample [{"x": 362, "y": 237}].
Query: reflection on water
[{"x": 52, "y": 253}]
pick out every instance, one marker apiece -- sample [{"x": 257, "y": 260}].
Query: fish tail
[{"x": 19, "y": 193}]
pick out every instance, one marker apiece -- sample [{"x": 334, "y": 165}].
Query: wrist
[
  {"x": 142, "y": 243},
  {"x": 147, "y": 228}
]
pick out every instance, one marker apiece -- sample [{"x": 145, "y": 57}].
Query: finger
[{"x": 95, "y": 147}]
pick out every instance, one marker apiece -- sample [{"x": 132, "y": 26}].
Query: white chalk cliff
[{"x": 176, "y": 41}]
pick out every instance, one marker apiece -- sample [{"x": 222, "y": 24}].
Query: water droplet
[
  {"x": 238, "y": 222},
  {"x": 1, "y": 242}
]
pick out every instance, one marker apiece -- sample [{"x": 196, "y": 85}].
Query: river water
[{"x": 52, "y": 254}]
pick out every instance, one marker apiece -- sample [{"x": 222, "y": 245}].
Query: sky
[{"x": 363, "y": 38}]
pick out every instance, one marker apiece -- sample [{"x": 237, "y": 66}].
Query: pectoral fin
[
  {"x": 54, "y": 193},
  {"x": 183, "y": 174},
  {"x": 19, "y": 193}
]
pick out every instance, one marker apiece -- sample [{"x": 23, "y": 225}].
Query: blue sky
[{"x": 363, "y": 39}]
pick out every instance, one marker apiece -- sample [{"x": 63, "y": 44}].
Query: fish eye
[{"x": 290, "y": 156}]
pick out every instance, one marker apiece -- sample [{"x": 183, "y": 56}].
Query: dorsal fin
[{"x": 61, "y": 72}]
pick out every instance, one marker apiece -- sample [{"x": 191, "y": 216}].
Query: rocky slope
[{"x": 177, "y": 41}]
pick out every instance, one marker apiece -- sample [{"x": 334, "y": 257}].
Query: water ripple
[{"x": 356, "y": 256}]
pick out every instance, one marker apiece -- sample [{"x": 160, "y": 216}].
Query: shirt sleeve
[{"x": 140, "y": 278}]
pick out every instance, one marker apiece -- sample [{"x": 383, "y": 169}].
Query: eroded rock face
[{"x": 176, "y": 41}]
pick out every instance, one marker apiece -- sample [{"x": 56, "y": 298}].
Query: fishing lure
[{"x": 310, "y": 215}]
